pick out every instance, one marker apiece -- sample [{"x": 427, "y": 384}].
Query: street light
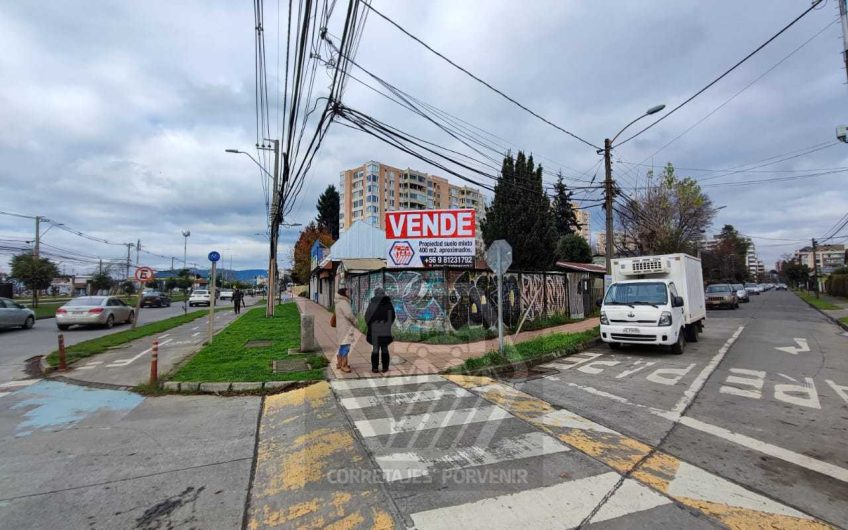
[
  {"x": 186, "y": 233},
  {"x": 237, "y": 152},
  {"x": 608, "y": 180}
]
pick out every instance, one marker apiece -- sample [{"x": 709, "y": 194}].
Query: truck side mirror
[
  {"x": 677, "y": 302},
  {"x": 599, "y": 302}
]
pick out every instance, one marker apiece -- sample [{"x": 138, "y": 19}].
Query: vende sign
[{"x": 431, "y": 238}]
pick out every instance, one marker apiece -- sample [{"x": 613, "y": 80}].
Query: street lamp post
[
  {"x": 186, "y": 232},
  {"x": 608, "y": 183},
  {"x": 274, "y": 221}
]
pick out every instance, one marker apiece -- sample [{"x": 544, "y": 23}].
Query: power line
[
  {"x": 723, "y": 75},
  {"x": 477, "y": 78}
]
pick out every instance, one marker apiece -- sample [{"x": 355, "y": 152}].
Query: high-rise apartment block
[{"x": 367, "y": 192}]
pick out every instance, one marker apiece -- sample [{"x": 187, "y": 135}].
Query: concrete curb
[
  {"x": 523, "y": 367},
  {"x": 233, "y": 388},
  {"x": 822, "y": 311}
]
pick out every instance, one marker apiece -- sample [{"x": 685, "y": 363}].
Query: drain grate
[
  {"x": 290, "y": 365},
  {"x": 258, "y": 344}
]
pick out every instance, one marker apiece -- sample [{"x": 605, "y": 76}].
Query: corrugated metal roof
[
  {"x": 360, "y": 241},
  {"x": 582, "y": 267}
]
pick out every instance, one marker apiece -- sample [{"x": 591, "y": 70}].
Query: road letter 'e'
[{"x": 674, "y": 375}]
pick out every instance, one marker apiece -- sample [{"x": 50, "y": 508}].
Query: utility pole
[
  {"x": 815, "y": 260},
  {"x": 275, "y": 232},
  {"x": 129, "y": 246},
  {"x": 37, "y": 248},
  {"x": 843, "y": 14},
  {"x": 608, "y": 190}
]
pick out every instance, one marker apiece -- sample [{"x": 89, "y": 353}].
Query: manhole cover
[
  {"x": 290, "y": 365},
  {"x": 258, "y": 344}
]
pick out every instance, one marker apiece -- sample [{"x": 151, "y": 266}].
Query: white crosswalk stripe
[
  {"x": 10, "y": 386},
  {"x": 426, "y": 428}
]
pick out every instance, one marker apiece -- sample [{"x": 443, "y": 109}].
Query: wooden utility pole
[
  {"x": 815, "y": 269},
  {"x": 608, "y": 189}
]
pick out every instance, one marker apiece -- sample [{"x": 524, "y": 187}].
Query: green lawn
[
  {"x": 844, "y": 320},
  {"x": 818, "y": 303},
  {"x": 564, "y": 343},
  {"x": 468, "y": 334},
  {"x": 227, "y": 358},
  {"x": 101, "y": 344}
]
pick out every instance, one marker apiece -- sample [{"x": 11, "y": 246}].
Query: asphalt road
[
  {"x": 17, "y": 345},
  {"x": 770, "y": 414}
]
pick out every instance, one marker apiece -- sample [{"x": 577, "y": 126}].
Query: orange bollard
[
  {"x": 62, "y": 362},
  {"x": 154, "y": 363}
]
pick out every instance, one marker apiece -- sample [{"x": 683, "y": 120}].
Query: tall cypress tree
[
  {"x": 521, "y": 214},
  {"x": 565, "y": 218},
  {"x": 328, "y": 211}
]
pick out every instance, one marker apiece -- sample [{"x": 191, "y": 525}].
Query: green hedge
[{"x": 837, "y": 285}]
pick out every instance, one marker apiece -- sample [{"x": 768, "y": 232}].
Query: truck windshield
[{"x": 649, "y": 293}]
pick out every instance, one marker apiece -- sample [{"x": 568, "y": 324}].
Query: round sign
[
  {"x": 214, "y": 256},
  {"x": 144, "y": 274}
]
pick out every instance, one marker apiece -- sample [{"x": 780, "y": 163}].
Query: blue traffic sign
[{"x": 214, "y": 256}]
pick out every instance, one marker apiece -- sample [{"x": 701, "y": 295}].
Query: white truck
[{"x": 654, "y": 300}]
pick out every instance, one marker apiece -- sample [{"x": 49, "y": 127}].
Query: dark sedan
[{"x": 155, "y": 299}]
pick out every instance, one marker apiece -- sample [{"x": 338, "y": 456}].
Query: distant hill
[{"x": 248, "y": 275}]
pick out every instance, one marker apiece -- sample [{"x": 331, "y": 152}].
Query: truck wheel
[
  {"x": 614, "y": 345},
  {"x": 678, "y": 347},
  {"x": 691, "y": 333}
]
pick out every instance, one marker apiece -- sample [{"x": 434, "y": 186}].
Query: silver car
[
  {"x": 13, "y": 315},
  {"x": 94, "y": 311}
]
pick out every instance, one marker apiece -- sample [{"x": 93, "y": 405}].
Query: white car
[
  {"x": 199, "y": 297},
  {"x": 226, "y": 294}
]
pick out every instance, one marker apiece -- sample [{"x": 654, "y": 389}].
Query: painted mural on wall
[
  {"x": 555, "y": 292},
  {"x": 418, "y": 297},
  {"x": 473, "y": 299},
  {"x": 533, "y": 295},
  {"x": 428, "y": 300}
]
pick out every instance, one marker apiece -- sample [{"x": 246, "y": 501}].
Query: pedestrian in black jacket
[{"x": 379, "y": 318}]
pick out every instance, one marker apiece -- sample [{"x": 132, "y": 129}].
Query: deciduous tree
[
  {"x": 668, "y": 216},
  {"x": 573, "y": 247},
  {"x": 35, "y": 273},
  {"x": 302, "y": 248}
]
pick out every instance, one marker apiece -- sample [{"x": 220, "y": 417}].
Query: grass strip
[
  {"x": 818, "y": 303},
  {"x": 227, "y": 358},
  {"x": 565, "y": 343},
  {"x": 100, "y": 344}
]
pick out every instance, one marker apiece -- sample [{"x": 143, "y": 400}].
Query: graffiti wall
[
  {"x": 418, "y": 297},
  {"x": 435, "y": 300}
]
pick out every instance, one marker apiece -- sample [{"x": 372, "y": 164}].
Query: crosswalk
[
  {"x": 10, "y": 386},
  {"x": 452, "y": 459}
]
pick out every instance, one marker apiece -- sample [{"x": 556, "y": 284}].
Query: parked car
[
  {"x": 226, "y": 294},
  {"x": 721, "y": 295},
  {"x": 741, "y": 293},
  {"x": 14, "y": 315},
  {"x": 781, "y": 287},
  {"x": 155, "y": 299},
  {"x": 752, "y": 288},
  {"x": 199, "y": 297},
  {"x": 94, "y": 311}
]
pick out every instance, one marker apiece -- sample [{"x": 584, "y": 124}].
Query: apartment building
[
  {"x": 828, "y": 257},
  {"x": 583, "y": 218},
  {"x": 367, "y": 192}
]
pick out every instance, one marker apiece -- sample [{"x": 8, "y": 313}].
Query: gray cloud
[{"x": 116, "y": 115}]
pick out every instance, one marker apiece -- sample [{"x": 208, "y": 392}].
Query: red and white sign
[
  {"x": 431, "y": 238},
  {"x": 144, "y": 274}
]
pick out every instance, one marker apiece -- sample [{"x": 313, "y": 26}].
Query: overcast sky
[{"x": 115, "y": 115}]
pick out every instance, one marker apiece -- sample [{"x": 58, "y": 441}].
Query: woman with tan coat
[{"x": 345, "y": 329}]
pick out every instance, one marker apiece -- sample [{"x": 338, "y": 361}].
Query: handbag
[{"x": 333, "y": 321}]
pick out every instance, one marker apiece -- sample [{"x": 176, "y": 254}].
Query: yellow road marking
[{"x": 623, "y": 453}]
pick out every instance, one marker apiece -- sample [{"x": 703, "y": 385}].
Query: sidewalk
[
  {"x": 835, "y": 313},
  {"x": 413, "y": 358}
]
